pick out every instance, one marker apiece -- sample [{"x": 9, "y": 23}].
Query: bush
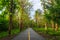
[{"x": 3, "y": 25}]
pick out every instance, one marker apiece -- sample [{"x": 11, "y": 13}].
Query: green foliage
[
  {"x": 57, "y": 1},
  {"x": 15, "y": 24},
  {"x": 5, "y": 34},
  {"x": 53, "y": 9},
  {"x": 49, "y": 31},
  {"x": 21, "y": 9},
  {"x": 3, "y": 3},
  {"x": 48, "y": 17},
  {"x": 3, "y": 25}
]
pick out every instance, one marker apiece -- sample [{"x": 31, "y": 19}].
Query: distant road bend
[{"x": 28, "y": 34}]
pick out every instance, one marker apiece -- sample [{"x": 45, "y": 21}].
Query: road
[{"x": 28, "y": 34}]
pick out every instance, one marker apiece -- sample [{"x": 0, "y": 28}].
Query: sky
[
  {"x": 2, "y": 10},
  {"x": 36, "y": 5}
]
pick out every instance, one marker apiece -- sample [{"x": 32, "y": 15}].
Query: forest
[{"x": 15, "y": 17}]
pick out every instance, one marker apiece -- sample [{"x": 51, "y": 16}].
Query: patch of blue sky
[
  {"x": 36, "y": 5},
  {"x": 2, "y": 10}
]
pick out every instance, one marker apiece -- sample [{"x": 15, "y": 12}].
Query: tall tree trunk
[
  {"x": 11, "y": 10},
  {"x": 10, "y": 24},
  {"x": 45, "y": 13},
  {"x": 56, "y": 27},
  {"x": 21, "y": 24},
  {"x": 45, "y": 26},
  {"x": 21, "y": 21},
  {"x": 36, "y": 23},
  {"x": 53, "y": 27}
]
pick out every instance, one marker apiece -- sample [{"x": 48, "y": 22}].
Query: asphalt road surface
[{"x": 28, "y": 34}]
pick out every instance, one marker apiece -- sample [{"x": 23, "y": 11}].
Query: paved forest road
[{"x": 28, "y": 34}]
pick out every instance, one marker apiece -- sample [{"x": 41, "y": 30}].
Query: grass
[
  {"x": 3, "y": 34},
  {"x": 55, "y": 35},
  {"x": 48, "y": 31},
  {"x": 13, "y": 32}
]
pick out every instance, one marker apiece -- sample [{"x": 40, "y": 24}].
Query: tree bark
[
  {"x": 21, "y": 20},
  {"x": 56, "y": 27},
  {"x": 10, "y": 25},
  {"x": 45, "y": 26},
  {"x": 21, "y": 24},
  {"x": 11, "y": 11},
  {"x": 52, "y": 25}
]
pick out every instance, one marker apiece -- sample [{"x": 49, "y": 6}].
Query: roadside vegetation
[{"x": 15, "y": 17}]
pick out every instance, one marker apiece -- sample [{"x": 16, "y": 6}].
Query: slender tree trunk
[
  {"x": 45, "y": 13},
  {"x": 52, "y": 25},
  {"x": 21, "y": 21},
  {"x": 56, "y": 27},
  {"x": 21, "y": 24},
  {"x": 10, "y": 24},
  {"x": 45, "y": 26},
  {"x": 11, "y": 7},
  {"x": 36, "y": 23}
]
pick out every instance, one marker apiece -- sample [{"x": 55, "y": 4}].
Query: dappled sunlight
[{"x": 29, "y": 19}]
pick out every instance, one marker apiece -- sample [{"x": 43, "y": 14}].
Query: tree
[
  {"x": 44, "y": 7},
  {"x": 37, "y": 17},
  {"x": 53, "y": 8},
  {"x": 24, "y": 9},
  {"x": 11, "y": 10}
]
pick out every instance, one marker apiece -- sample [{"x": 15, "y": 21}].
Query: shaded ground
[
  {"x": 7, "y": 38},
  {"x": 49, "y": 37},
  {"x": 48, "y": 34},
  {"x": 4, "y": 35},
  {"x": 28, "y": 34}
]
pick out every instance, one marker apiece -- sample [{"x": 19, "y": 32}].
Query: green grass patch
[
  {"x": 15, "y": 31},
  {"x": 49, "y": 31},
  {"x": 5, "y": 34}
]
